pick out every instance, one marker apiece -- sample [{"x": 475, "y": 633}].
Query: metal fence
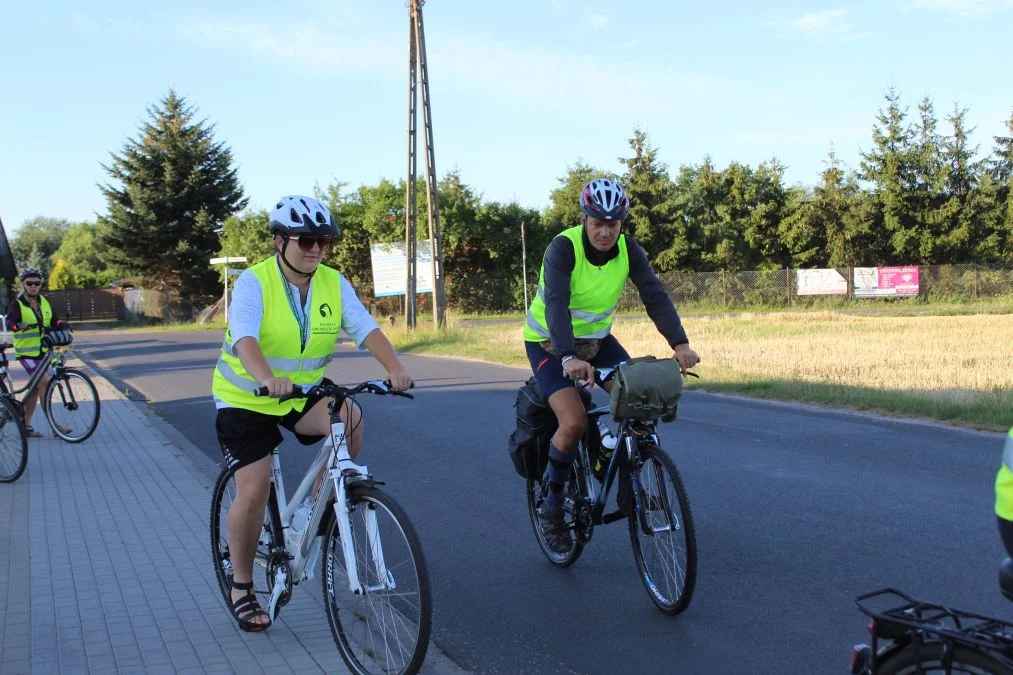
[{"x": 779, "y": 288}]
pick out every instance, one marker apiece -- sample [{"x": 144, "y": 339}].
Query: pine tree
[
  {"x": 888, "y": 168},
  {"x": 653, "y": 209},
  {"x": 172, "y": 189}
]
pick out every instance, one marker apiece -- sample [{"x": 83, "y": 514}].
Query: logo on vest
[{"x": 325, "y": 310}]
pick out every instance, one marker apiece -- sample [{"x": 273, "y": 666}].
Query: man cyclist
[
  {"x": 568, "y": 329},
  {"x": 30, "y": 315},
  {"x": 284, "y": 320},
  {"x": 1004, "y": 513}
]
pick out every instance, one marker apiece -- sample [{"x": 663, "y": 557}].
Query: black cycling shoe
[
  {"x": 555, "y": 531},
  {"x": 1006, "y": 578}
]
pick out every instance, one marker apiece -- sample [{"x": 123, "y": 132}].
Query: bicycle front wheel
[
  {"x": 72, "y": 405},
  {"x": 934, "y": 657},
  {"x": 13, "y": 443},
  {"x": 662, "y": 532},
  {"x": 386, "y": 628}
]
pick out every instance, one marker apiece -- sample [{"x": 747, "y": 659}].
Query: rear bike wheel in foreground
[
  {"x": 662, "y": 532},
  {"x": 222, "y": 496},
  {"x": 571, "y": 497},
  {"x": 932, "y": 658},
  {"x": 387, "y": 628},
  {"x": 13, "y": 443},
  {"x": 72, "y": 405}
]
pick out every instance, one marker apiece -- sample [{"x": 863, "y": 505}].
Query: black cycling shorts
[
  {"x": 548, "y": 368},
  {"x": 247, "y": 436}
]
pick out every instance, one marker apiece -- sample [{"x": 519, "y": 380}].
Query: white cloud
[
  {"x": 597, "y": 21},
  {"x": 962, "y": 7},
  {"x": 830, "y": 25}
]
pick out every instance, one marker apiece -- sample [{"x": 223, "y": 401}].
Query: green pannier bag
[{"x": 646, "y": 389}]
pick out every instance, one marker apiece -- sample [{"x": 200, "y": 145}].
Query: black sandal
[{"x": 247, "y": 607}]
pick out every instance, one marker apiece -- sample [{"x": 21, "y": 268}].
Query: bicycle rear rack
[{"x": 925, "y": 618}]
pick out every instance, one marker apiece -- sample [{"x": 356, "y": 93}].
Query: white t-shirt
[{"x": 246, "y": 311}]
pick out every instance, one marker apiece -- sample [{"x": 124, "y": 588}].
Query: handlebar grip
[{"x": 260, "y": 391}]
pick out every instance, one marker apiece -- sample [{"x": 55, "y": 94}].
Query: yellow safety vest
[
  {"x": 594, "y": 292},
  {"x": 281, "y": 337},
  {"x": 1004, "y": 482},
  {"x": 28, "y": 342}
]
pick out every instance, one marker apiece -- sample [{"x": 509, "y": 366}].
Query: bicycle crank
[
  {"x": 279, "y": 582},
  {"x": 583, "y": 520}
]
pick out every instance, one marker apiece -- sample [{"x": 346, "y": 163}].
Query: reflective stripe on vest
[
  {"x": 594, "y": 292},
  {"x": 28, "y": 342},
  {"x": 280, "y": 339},
  {"x": 1004, "y": 482}
]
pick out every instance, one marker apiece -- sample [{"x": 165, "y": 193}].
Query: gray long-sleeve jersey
[{"x": 558, "y": 266}]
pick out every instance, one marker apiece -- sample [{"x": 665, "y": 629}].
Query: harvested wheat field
[{"x": 948, "y": 367}]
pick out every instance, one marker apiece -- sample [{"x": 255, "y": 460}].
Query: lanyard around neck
[{"x": 302, "y": 318}]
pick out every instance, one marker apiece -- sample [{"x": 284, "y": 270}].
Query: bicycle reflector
[{"x": 860, "y": 656}]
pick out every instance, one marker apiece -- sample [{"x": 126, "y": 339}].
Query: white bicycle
[{"x": 374, "y": 575}]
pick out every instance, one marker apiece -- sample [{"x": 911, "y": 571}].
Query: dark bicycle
[
  {"x": 912, "y": 636},
  {"x": 70, "y": 403},
  {"x": 650, "y": 496}
]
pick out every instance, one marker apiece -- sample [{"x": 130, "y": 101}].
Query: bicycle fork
[{"x": 345, "y": 472}]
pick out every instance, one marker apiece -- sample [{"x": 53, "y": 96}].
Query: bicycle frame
[
  {"x": 48, "y": 359},
  {"x": 304, "y": 549},
  {"x": 624, "y": 451}
]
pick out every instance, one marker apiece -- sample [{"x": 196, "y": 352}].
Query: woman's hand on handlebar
[
  {"x": 399, "y": 380},
  {"x": 277, "y": 386}
]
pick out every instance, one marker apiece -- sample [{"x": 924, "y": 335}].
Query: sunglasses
[
  {"x": 306, "y": 243},
  {"x": 33, "y": 283}
]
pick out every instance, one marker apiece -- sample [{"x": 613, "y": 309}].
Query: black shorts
[
  {"x": 548, "y": 369},
  {"x": 247, "y": 436}
]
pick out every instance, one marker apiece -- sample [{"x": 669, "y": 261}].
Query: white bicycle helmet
[{"x": 294, "y": 215}]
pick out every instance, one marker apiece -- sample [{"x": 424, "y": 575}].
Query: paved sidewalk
[{"x": 108, "y": 567}]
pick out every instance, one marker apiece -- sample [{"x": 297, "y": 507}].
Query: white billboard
[
  {"x": 390, "y": 267},
  {"x": 821, "y": 282}
]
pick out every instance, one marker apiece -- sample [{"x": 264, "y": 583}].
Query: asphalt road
[{"x": 797, "y": 511}]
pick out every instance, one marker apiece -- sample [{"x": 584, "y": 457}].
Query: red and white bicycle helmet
[{"x": 604, "y": 199}]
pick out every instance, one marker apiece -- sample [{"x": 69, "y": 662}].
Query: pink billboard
[{"x": 886, "y": 281}]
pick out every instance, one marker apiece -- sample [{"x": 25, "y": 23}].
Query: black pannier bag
[{"x": 535, "y": 424}]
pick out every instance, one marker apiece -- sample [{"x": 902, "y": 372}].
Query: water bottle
[
  {"x": 302, "y": 515},
  {"x": 608, "y": 441},
  {"x": 605, "y": 450}
]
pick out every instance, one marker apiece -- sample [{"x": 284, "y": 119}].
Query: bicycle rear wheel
[
  {"x": 13, "y": 443},
  {"x": 222, "y": 496},
  {"x": 385, "y": 629},
  {"x": 662, "y": 532},
  {"x": 932, "y": 658},
  {"x": 571, "y": 495},
  {"x": 72, "y": 405}
]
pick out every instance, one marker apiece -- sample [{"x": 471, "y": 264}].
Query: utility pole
[
  {"x": 418, "y": 77},
  {"x": 524, "y": 267}
]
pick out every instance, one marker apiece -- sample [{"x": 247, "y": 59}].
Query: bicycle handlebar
[
  {"x": 379, "y": 387},
  {"x": 602, "y": 375}
]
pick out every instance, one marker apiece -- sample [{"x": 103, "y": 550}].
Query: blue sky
[{"x": 308, "y": 92}]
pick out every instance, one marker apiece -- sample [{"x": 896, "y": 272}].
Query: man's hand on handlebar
[
  {"x": 277, "y": 386},
  {"x": 577, "y": 370},
  {"x": 686, "y": 357}
]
